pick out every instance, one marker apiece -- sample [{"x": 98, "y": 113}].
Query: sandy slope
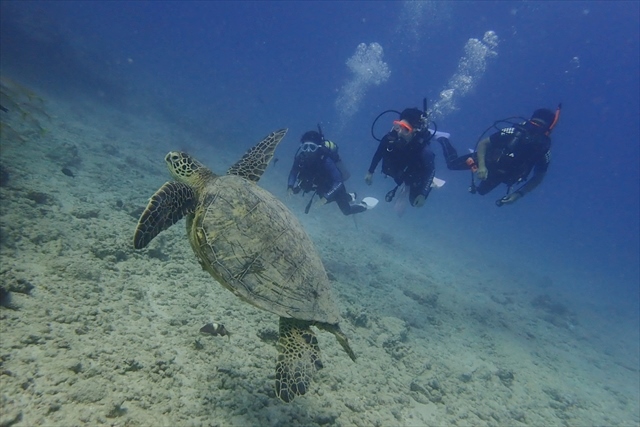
[{"x": 95, "y": 333}]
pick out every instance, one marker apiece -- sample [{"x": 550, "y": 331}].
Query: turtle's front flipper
[
  {"x": 167, "y": 206},
  {"x": 255, "y": 161},
  {"x": 298, "y": 358}
]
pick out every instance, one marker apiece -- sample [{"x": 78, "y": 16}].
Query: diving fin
[
  {"x": 371, "y": 202},
  {"x": 437, "y": 182},
  {"x": 439, "y": 134}
]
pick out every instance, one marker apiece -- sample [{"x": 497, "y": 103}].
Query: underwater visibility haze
[{"x": 459, "y": 312}]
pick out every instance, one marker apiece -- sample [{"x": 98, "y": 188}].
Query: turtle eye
[{"x": 172, "y": 157}]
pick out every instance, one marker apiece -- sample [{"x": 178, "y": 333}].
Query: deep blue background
[{"x": 249, "y": 67}]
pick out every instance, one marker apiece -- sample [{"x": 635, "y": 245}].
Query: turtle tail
[
  {"x": 298, "y": 358},
  {"x": 340, "y": 336}
]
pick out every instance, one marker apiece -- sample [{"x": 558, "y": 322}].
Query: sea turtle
[{"x": 255, "y": 247}]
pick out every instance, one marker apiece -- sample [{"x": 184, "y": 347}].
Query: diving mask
[
  {"x": 402, "y": 127},
  {"x": 309, "y": 147}
]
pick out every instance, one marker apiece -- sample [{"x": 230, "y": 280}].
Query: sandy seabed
[{"x": 95, "y": 333}]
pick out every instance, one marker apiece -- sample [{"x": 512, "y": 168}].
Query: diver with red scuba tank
[{"x": 509, "y": 155}]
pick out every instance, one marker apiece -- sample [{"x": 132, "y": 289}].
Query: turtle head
[{"x": 185, "y": 168}]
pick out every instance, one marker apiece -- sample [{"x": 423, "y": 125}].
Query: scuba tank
[{"x": 333, "y": 148}]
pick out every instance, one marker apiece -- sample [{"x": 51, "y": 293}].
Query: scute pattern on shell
[{"x": 252, "y": 244}]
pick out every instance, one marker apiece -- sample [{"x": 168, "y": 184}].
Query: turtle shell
[{"x": 255, "y": 247}]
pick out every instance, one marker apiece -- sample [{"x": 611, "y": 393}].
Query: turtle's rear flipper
[
  {"x": 169, "y": 205},
  {"x": 298, "y": 358}
]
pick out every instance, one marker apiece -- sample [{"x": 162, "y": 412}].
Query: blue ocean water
[{"x": 251, "y": 67}]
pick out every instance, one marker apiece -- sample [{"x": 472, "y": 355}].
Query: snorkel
[{"x": 320, "y": 132}]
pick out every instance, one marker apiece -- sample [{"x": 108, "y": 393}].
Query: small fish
[
  {"x": 68, "y": 172},
  {"x": 274, "y": 161},
  {"x": 214, "y": 329},
  {"x": 3, "y": 109}
]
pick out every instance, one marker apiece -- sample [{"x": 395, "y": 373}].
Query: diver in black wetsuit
[
  {"x": 406, "y": 157},
  {"x": 509, "y": 156},
  {"x": 317, "y": 167}
]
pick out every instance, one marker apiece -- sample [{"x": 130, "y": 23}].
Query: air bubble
[{"x": 368, "y": 69}]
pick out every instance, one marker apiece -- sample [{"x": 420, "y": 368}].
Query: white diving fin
[
  {"x": 371, "y": 202},
  {"x": 440, "y": 134},
  {"x": 437, "y": 182}
]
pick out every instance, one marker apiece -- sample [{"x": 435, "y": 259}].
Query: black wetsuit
[
  {"x": 411, "y": 163},
  {"x": 511, "y": 155},
  {"x": 318, "y": 172}
]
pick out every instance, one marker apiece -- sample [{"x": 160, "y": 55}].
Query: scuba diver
[
  {"x": 317, "y": 167},
  {"x": 406, "y": 155},
  {"x": 509, "y": 155}
]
